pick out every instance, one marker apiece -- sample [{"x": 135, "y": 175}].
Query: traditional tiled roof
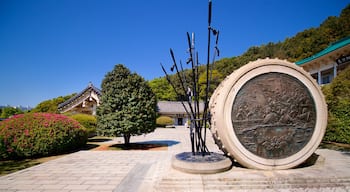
[
  {"x": 90, "y": 87},
  {"x": 334, "y": 46},
  {"x": 175, "y": 107}
]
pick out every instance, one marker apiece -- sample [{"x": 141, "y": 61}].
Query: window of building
[
  {"x": 326, "y": 79},
  {"x": 327, "y": 76}
]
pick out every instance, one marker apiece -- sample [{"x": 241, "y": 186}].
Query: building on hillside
[
  {"x": 176, "y": 111},
  {"x": 325, "y": 65},
  {"x": 84, "y": 102}
]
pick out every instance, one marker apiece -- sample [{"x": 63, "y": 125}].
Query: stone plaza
[{"x": 151, "y": 170}]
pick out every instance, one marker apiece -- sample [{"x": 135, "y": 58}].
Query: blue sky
[{"x": 51, "y": 48}]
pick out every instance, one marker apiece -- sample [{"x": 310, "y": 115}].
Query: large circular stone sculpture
[{"x": 269, "y": 114}]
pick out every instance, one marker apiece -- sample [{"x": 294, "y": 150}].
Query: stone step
[{"x": 177, "y": 184}]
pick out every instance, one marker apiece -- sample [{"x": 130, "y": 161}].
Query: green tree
[
  {"x": 50, "y": 106},
  {"x": 216, "y": 78},
  {"x": 7, "y": 112},
  {"x": 128, "y": 105},
  {"x": 162, "y": 89}
]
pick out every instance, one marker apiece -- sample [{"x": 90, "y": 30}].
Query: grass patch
[
  {"x": 10, "y": 166},
  {"x": 98, "y": 139},
  {"x": 335, "y": 146}
]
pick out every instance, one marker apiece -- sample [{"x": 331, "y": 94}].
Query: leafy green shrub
[
  {"x": 337, "y": 130},
  {"x": 338, "y": 100},
  {"x": 163, "y": 121},
  {"x": 39, "y": 134},
  {"x": 88, "y": 121}
]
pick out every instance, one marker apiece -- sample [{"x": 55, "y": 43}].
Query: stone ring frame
[{"x": 230, "y": 140}]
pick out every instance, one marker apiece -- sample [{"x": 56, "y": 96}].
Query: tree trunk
[{"x": 126, "y": 139}]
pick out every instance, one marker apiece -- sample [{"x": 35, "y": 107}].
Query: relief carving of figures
[{"x": 273, "y": 115}]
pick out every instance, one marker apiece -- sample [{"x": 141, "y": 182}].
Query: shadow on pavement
[
  {"x": 98, "y": 140},
  {"x": 147, "y": 145},
  {"x": 161, "y": 142}
]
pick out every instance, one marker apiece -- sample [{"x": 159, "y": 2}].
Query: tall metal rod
[
  {"x": 192, "y": 90},
  {"x": 205, "y": 115},
  {"x": 195, "y": 92},
  {"x": 180, "y": 78},
  {"x": 216, "y": 52},
  {"x": 199, "y": 130}
]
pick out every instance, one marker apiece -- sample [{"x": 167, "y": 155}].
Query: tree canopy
[
  {"x": 51, "y": 105},
  {"x": 7, "y": 112},
  {"x": 128, "y": 105},
  {"x": 162, "y": 89}
]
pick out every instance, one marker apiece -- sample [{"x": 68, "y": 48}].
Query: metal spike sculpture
[{"x": 189, "y": 90}]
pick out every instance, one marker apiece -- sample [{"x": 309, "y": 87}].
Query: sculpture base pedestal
[{"x": 198, "y": 164}]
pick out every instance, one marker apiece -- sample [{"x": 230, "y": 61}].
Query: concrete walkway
[{"x": 151, "y": 171}]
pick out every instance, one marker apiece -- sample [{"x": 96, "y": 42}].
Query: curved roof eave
[
  {"x": 334, "y": 46},
  {"x": 90, "y": 86}
]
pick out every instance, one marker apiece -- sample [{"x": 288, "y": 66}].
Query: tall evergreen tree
[{"x": 128, "y": 105}]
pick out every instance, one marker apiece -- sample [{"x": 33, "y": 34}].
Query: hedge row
[
  {"x": 87, "y": 121},
  {"x": 163, "y": 121}
]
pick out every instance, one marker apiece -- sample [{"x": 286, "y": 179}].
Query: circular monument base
[{"x": 199, "y": 164}]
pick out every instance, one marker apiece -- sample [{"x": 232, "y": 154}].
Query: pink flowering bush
[{"x": 39, "y": 134}]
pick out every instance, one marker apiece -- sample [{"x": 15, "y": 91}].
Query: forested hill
[{"x": 302, "y": 45}]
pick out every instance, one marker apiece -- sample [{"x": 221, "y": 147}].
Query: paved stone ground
[{"x": 121, "y": 171}]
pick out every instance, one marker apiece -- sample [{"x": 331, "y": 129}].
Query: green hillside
[{"x": 302, "y": 45}]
